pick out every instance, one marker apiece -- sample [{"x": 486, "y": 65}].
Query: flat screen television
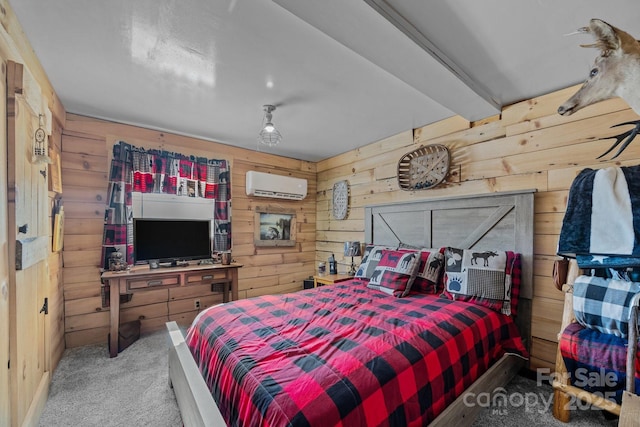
[{"x": 171, "y": 240}]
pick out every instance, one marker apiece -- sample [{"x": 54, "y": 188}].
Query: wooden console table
[{"x": 142, "y": 278}]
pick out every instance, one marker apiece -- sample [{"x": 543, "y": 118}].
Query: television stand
[{"x": 142, "y": 278}]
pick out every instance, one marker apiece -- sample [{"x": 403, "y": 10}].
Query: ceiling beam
[
  {"x": 364, "y": 30},
  {"x": 401, "y": 23}
]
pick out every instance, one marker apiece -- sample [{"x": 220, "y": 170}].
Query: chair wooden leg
[{"x": 561, "y": 402}]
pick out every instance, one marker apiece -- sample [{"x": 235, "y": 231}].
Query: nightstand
[{"x": 329, "y": 279}]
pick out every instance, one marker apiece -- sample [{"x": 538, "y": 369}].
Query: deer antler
[
  {"x": 601, "y": 44},
  {"x": 625, "y": 138},
  {"x": 580, "y": 30}
]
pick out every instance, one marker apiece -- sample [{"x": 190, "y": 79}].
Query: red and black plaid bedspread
[{"x": 345, "y": 355}]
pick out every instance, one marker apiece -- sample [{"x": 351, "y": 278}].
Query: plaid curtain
[
  {"x": 118, "y": 216},
  {"x": 156, "y": 171}
]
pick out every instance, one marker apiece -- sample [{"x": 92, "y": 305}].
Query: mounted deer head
[{"x": 616, "y": 72}]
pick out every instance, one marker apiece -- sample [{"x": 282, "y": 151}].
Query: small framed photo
[{"x": 275, "y": 227}]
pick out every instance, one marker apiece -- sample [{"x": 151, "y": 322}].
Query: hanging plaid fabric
[
  {"x": 118, "y": 215},
  {"x": 134, "y": 169},
  {"x": 220, "y": 189}
]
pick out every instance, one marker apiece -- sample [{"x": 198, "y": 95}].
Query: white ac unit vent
[{"x": 276, "y": 186}]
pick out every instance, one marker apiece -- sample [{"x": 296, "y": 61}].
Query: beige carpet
[{"x": 90, "y": 389}]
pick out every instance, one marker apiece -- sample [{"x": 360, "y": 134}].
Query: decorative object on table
[
  {"x": 340, "y": 199},
  {"x": 269, "y": 135},
  {"x": 322, "y": 267},
  {"x": 352, "y": 249},
  {"x": 225, "y": 258},
  {"x": 333, "y": 265},
  {"x": 424, "y": 167},
  {"x": 117, "y": 261}
]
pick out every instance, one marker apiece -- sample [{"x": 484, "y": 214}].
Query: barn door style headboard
[{"x": 500, "y": 221}]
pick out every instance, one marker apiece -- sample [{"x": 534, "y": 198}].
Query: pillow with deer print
[
  {"x": 370, "y": 259},
  {"x": 483, "y": 277},
  {"x": 395, "y": 272},
  {"x": 429, "y": 275}
]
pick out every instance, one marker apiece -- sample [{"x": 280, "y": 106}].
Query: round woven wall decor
[{"x": 423, "y": 168}]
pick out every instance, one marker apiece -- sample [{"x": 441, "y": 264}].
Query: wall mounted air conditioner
[{"x": 276, "y": 186}]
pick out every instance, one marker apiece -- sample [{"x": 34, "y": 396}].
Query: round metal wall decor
[
  {"x": 340, "y": 199},
  {"x": 423, "y": 168}
]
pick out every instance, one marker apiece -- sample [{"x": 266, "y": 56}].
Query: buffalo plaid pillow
[
  {"x": 429, "y": 273},
  {"x": 370, "y": 258},
  {"x": 395, "y": 272},
  {"x": 603, "y": 304},
  {"x": 485, "y": 278}
]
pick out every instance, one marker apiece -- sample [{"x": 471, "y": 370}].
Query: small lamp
[
  {"x": 269, "y": 135},
  {"x": 352, "y": 249}
]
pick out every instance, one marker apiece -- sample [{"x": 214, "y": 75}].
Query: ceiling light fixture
[{"x": 269, "y": 135}]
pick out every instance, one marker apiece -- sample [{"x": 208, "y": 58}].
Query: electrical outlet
[{"x": 196, "y": 304}]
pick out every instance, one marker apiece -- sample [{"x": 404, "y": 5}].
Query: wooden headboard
[{"x": 500, "y": 221}]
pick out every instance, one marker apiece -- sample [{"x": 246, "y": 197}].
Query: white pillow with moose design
[{"x": 478, "y": 276}]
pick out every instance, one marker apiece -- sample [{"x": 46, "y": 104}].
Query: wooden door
[
  {"x": 28, "y": 231},
  {"x": 5, "y": 403}
]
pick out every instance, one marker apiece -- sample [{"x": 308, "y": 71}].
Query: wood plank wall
[
  {"x": 529, "y": 146},
  {"x": 86, "y": 144},
  {"x": 15, "y": 47}
]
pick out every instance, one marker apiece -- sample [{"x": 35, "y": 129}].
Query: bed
[{"x": 353, "y": 354}]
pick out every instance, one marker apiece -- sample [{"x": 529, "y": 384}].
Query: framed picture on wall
[{"x": 275, "y": 227}]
